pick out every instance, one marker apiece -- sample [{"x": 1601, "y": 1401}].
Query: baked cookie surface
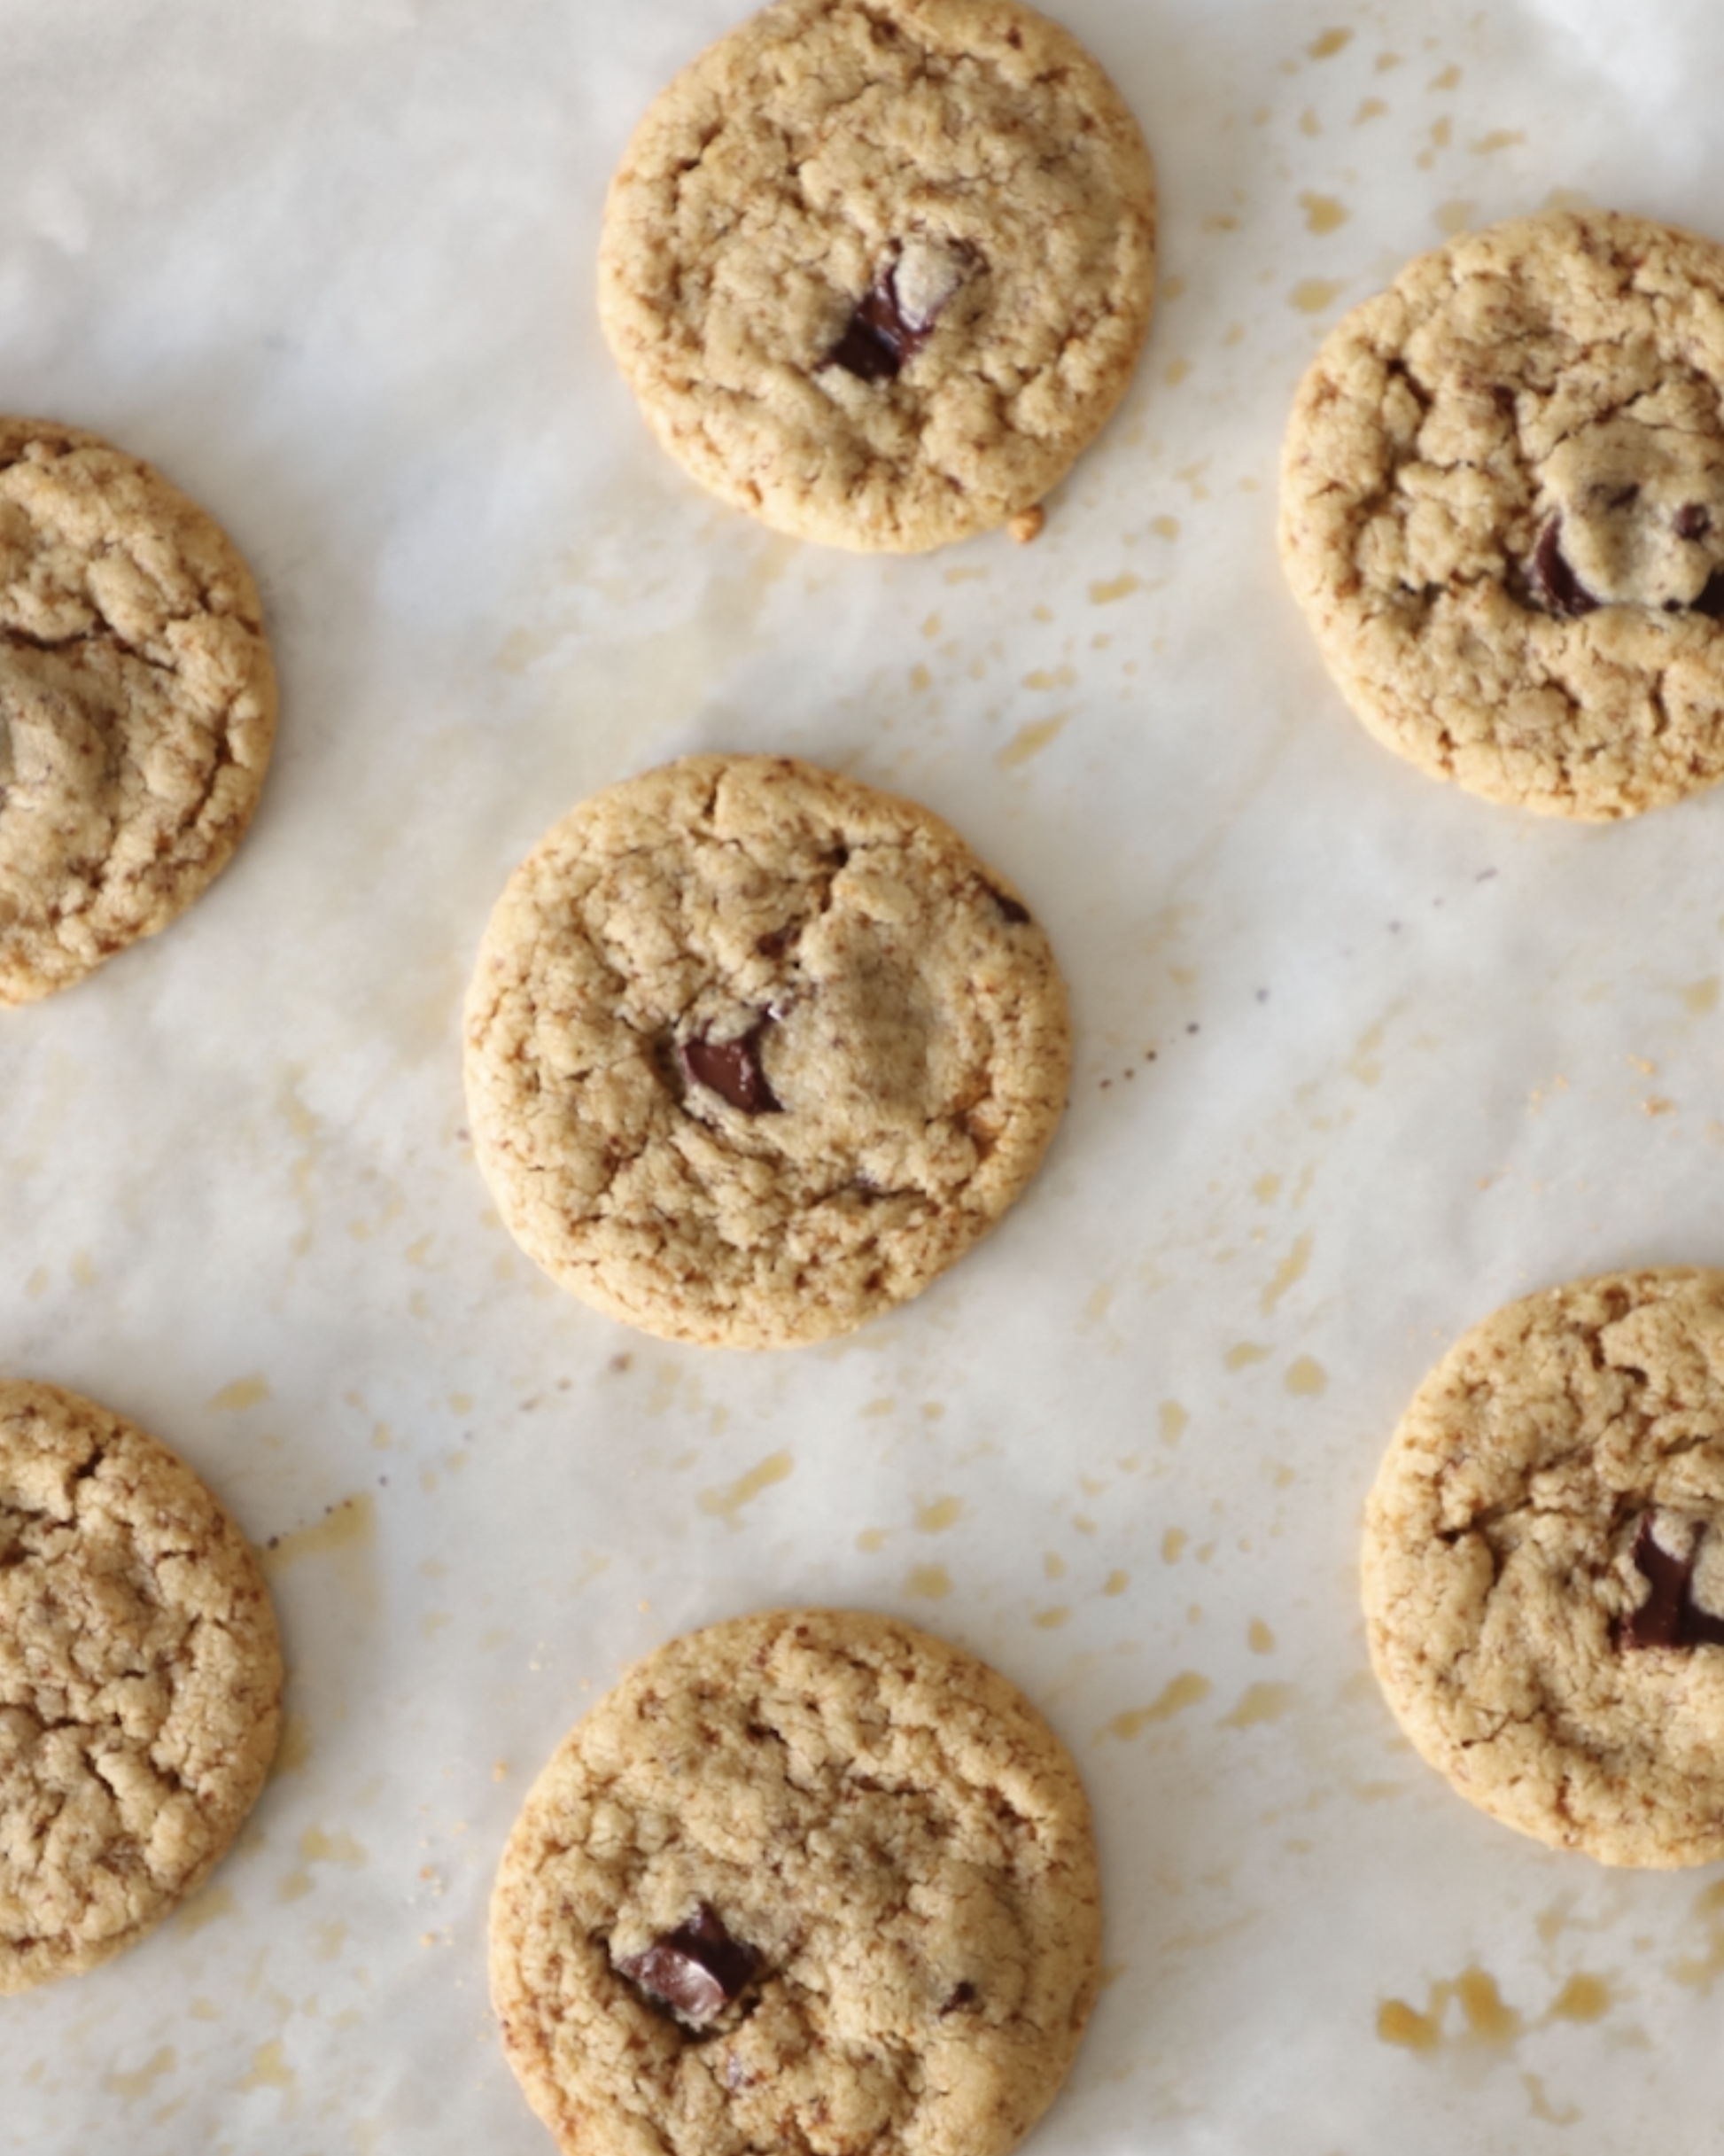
[
  {"x": 1503, "y": 512},
  {"x": 806, "y": 1880},
  {"x": 754, "y": 1052},
  {"x": 1543, "y": 1566},
  {"x": 878, "y": 271},
  {"x": 140, "y": 1683},
  {"x": 138, "y": 704}
]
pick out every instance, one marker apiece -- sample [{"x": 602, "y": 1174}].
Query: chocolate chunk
[
  {"x": 1691, "y": 521},
  {"x": 732, "y": 1069},
  {"x": 1711, "y": 601},
  {"x": 963, "y": 1995},
  {"x": 696, "y": 1970},
  {"x": 1669, "y": 1617},
  {"x": 1013, "y": 909},
  {"x": 895, "y": 318},
  {"x": 1554, "y": 582}
]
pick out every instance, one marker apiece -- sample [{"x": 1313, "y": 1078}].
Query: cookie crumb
[{"x": 1027, "y": 524}]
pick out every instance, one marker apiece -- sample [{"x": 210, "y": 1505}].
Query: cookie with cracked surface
[
  {"x": 138, "y": 704},
  {"x": 877, "y": 271},
  {"x": 140, "y": 1683},
  {"x": 1503, "y": 512},
  {"x": 806, "y": 1880},
  {"x": 1544, "y": 1567},
  {"x": 754, "y": 1052}
]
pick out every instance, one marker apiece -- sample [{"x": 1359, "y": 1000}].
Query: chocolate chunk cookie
[
  {"x": 1502, "y": 511},
  {"x": 1544, "y": 1567},
  {"x": 138, "y": 704},
  {"x": 878, "y": 271},
  {"x": 809, "y": 1879},
  {"x": 754, "y": 1052},
  {"x": 140, "y": 1683}
]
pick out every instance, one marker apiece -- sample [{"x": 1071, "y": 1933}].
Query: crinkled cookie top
[
  {"x": 877, "y": 270},
  {"x": 1502, "y": 511}
]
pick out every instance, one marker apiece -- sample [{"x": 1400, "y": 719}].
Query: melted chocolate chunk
[
  {"x": 878, "y": 339},
  {"x": 890, "y": 323},
  {"x": 732, "y": 1069},
  {"x": 1554, "y": 582},
  {"x": 1691, "y": 521},
  {"x": 1669, "y": 1617},
  {"x": 1013, "y": 909},
  {"x": 963, "y": 1995},
  {"x": 696, "y": 1970}
]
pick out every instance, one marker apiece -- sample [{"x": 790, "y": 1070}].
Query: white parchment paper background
[{"x": 1358, "y": 1058}]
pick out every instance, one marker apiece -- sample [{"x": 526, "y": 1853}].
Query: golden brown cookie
[
  {"x": 1503, "y": 512},
  {"x": 754, "y": 1052},
  {"x": 1544, "y": 1567},
  {"x": 810, "y": 1880},
  {"x": 138, "y": 704},
  {"x": 878, "y": 271},
  {"x": 140, "y": 1683}
]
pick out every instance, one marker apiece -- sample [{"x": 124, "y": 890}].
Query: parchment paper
[{"x": 1359, "y": 1057}]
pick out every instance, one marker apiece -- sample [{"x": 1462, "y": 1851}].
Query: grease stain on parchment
[{"x": 726, "y": 1501}]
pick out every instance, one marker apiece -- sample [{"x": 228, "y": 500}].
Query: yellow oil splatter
[
  {"x": 129, "y": 2086},
  {"x": 1165, "y": 527},
  {"x": 1260, "y": 1637},
  {"x": 726, "y": 1503},
  {"x": 1449, "y": 79},
  {"x": 435, "y": 1620},
  {"x": 1172, "y": 1543},
  {"x": 1702, "y": 998},
  {"x": 931, "y": 626},
  {"x": 83, "y": 1271},
  {"x": 921, "y": 679},
  {"x": 1331, "y": 42},
  {"x": 269, "y": 2069},
  {"x": 939, "y": 1514},
  {"x": 1259, "y": 1703},
  {"x": 1386, "y": 60},
  {"x": 1050, "y": 1620},
  {"x": 1541, "y": 2107},
  {"x": 1266, "y": 1189},
  {"x": 1399, "y": 2023},
  {"x": 1186, "y": 1690},
  {"x": 1121, "y": 587},
  {"x": 244, "y": 1392},
  {"x": 1221, "y": 221},
  {"x": 1370, "y": 108},
  {"x": 1487, "y": 2019},
  {"x": 1050, "y": 677},
  {"x": 1287, "y": 1273},
  {"x": 1243, "y": 1353},
  {"x": 1054, "y": 1566},
  {"x": 318, "y": 1848},
  {"x": 1175, "y": 1421},
  {"x": 1702, "y": 1971},
  {"x": 1499, "y": 138},
  {"x": 1116, "y": 1583},
  {"x": 1305, "y": 1377},
  {"x": 1582, "y": 1998},
  {"x": 870, "y": 1540},
  {"x": 1323, "y": 213},
  {"x": 1175, "y": 373},
  {"x": 295, "y": 1747},
  {"x": 209, "y": 1907},
  {"x": 347, "y": 1530},
  {"x": 36, "y": 1286},
  {"x": 1031, "y": 740},
  {"x": 1454, "y": 218},
  {"x": 929, "y": 1583},
  {"x": 1312, "y": 295},
  {"x": 1308, "y": 123}
]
